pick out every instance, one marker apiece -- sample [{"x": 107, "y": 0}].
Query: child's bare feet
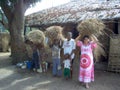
[
  {"x": 67, "y": 78},
  {"x": 86, "y": 85}
]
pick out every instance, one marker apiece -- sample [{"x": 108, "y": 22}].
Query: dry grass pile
[
  {"x": 5, "y": 41},
  {"x": 48, "y": 54},
  {"x": 98, "y": 52},
  {"x": 90, "y": 27},
  {"x": 37, "y": 37},
  {"x": 93, "y": 28},
  {"x": 54, "y": 32},
  {"x": 29, "y": 51}
]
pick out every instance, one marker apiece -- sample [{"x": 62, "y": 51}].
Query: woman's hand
[{"x": 78, "y": 37}]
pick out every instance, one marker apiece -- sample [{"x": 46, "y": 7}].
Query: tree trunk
[
  {"x": 18, "y": 49},
  {"x": 15, "y": 16},
  {"x": 16, "y": 28}
]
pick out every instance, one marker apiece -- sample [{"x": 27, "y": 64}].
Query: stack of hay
[
  {"x": 54, "y": 32},
  {"x": 4, "y": 41},
  {"x": 37, "y": 37},
  {"x": 94, "y": 28}
]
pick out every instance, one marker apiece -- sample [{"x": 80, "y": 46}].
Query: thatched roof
[{"x": 75, "y": 12}]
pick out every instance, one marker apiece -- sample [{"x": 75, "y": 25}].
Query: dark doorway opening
[{"x": 116, "y": 27}]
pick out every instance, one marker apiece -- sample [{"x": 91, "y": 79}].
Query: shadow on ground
[{"x": 12, "y": 78}]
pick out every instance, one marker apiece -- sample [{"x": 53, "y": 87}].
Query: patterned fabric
[{"x": 86, "y": 71}]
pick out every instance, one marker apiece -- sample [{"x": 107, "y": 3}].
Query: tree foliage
[
  {"x": 14, "y": 11},
  {"x": 9, "y": 6}
]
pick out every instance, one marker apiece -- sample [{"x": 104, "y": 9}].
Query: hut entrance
[
  {"x": 75, "y": 33},
  {"x": 70, "y": 28},
  {"x": 116, "y": 27}
]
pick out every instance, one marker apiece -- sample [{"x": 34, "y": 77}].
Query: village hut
[{"x": 69, "y": 15}]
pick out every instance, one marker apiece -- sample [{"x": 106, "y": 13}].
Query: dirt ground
[{"x": 12, "y": 78}]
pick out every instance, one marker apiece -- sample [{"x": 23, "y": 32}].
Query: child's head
[{"x": 67, "y": 56}]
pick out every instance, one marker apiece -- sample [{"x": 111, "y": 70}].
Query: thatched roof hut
[
  {"x": 74, "y": 12},
  {"x": 70, "y": 14}
]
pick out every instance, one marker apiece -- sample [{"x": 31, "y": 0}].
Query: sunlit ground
[
  {"x": 12, "y": 78},
  {"x": 4, "y": 72},
  {"x": 5, "y": 54}
]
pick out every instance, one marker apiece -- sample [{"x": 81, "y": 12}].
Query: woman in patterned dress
[{"x": 86, "y": 71}]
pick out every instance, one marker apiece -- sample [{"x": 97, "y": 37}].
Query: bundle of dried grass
[
  {"x": 29, "y": 51},
  {"x": 91, "y": 26},
  {"x": 98, "y": 52},
  {"x": 48, "y": 52},
  {"x": 5, "y": 41},
  {"x": 37, "y": 37},
  {"x": 54, "y": 32}
]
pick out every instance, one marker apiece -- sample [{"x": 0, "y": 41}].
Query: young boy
[
  {"x": 67, "y": 66},
  {"x": 56, "y": 58},
  {"x": 43, "y": 63}
]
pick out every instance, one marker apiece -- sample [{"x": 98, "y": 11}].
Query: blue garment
[
  {"x": 56, "y": 65},
  {"x": 35, "y": 60}
]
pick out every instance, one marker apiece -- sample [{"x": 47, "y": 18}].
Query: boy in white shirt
[
  {"x": 69, "y": 47},
  {"x": 67, "y": 66}
]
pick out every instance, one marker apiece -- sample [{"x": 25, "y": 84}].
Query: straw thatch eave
[{"x": 75, "y": 12}]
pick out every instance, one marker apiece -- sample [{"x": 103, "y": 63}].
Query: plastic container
[{"x": 29, "y": 64}]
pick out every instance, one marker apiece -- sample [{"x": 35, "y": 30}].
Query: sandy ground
[{"x": 12, "y": 78}]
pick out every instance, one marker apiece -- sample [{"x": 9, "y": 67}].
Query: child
[
  {"x": 35, "y": 58},
  {"x": 67, "y": 66},
  {"x": 56, "y": 58},
  {"x": 44, "y": 63},
  {"x": 35, "y": 55}
]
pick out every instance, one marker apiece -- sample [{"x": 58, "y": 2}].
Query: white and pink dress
[{"x": 86, "y": 71}]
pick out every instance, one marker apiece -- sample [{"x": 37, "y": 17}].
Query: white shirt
[
  {"x": 69, "y": 46},
  {"x": 67, "y": 63}
]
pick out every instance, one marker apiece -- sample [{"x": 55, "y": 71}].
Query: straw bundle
[
  {"x": 91, "y": 26},
  {"x": 54, "y": 32},
  {"x": 5, "y": 41},
  {"x": 37, "y": 37},
  {"x": 98, "y": 52},
  {"x": 29, "y": 50}
]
